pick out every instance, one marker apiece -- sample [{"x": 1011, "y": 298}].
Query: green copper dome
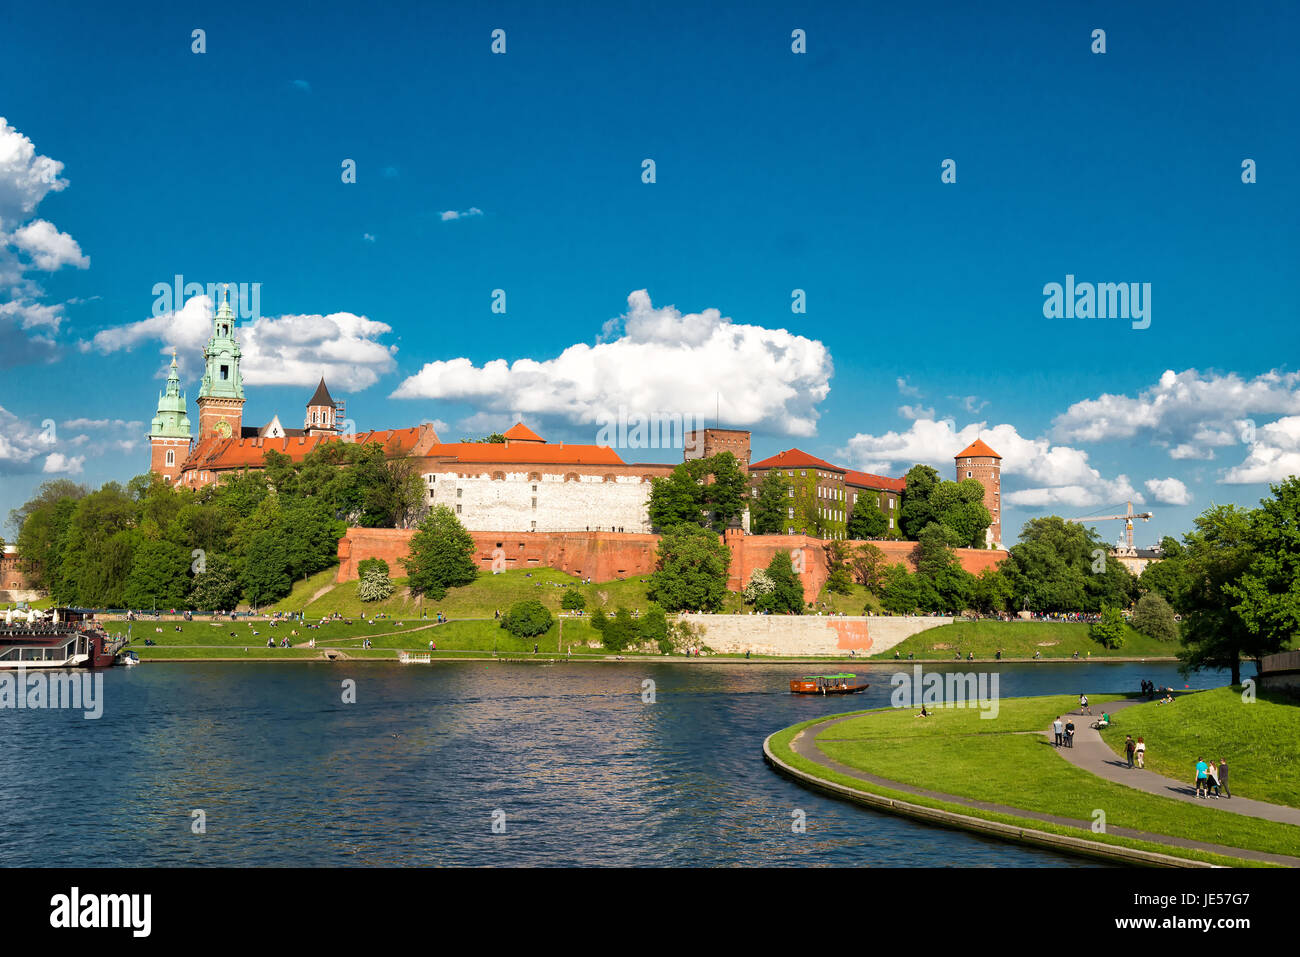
[
  {"x": 171, "y": 421},
  {"x": 221, "y": 378}
]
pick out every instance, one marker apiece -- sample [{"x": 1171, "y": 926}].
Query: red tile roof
[
  {"x": 794, "y": 459},
  {"x": 879, "y": 482},
  {"x": 977, "y": 448},
  {"x": 217, "y": 454},
  {"x": 522, "y": 433}
]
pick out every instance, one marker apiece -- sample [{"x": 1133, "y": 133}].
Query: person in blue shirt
[{"x": 1202, "y": 769}]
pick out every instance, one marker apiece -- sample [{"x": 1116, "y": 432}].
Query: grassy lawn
[
  {"x": 1260, "y": 740},
  {"x": 959, "y": 753},
  {"x": 856, "y": 602},
  {"x": 1020, "y": 639},
  {"x": 781, "y": 747}
]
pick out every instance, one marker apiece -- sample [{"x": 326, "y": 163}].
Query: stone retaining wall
[{"x": 807, "y": 635}]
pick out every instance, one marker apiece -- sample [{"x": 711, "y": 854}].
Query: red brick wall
[{"x": 607, "y": 555}]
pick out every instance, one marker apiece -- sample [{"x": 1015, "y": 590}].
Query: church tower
[
  {"x": 978, "y": 461},
  {"x": 169, "y": 434},
  {"x": 322, "y": 412},
  {"x": 221, "y": 397}
]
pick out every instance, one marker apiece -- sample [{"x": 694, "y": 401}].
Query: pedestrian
[
  {"x": 1202, "y": 769},
  {"x": 1140, "y": 752},
  {"x": 1069, "y": 733},
  {"x": 1083, "y": 704},
  {"x": 1223, "y": 777},
  {"x": 1059, "y": 730},
  {"x": 1212, "y": 779},
  {"x": 1129, "y": 747}
]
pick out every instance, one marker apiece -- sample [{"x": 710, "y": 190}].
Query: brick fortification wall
[{"x": 606, "y": 555}]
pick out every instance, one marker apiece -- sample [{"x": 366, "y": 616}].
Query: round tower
[
  {"x": 169, "y": 433},
  {"x": 978, "y": 461}
]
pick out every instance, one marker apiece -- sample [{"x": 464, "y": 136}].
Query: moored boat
[
  {"x": 60, "y": 638},
  {"x": 827, "y": 684}
]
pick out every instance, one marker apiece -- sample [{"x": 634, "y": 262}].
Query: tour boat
[
  {"x": 827, "y": 684},
  {"x": 61, "y": 638}
]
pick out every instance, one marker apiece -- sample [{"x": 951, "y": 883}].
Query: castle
[{"x": 522, "y": 484}]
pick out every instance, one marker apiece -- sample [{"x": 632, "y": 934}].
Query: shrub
[
  {"x": 527, "y": 619},
  {"x": 573, "y": 600},
  {"x": 375, "y": 585},
  {"x": 1109, "y": 632}
]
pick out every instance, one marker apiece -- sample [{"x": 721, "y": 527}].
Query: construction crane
[{"x": 1127, "y": 519}]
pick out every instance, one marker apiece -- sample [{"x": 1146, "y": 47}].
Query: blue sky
[{"x": 775, "y": 171}]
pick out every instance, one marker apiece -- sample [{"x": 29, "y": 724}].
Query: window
[
  {"x": 459, "y": 494},
  {"x": 534, "y": 501},
  {"x": 969, "y": 475},
  {"x": 171, "y": 457},
  {"x": 534, "y": 488},
  {"x": 225, "y": 373},
  {"x": 891, "y": 505},
  {"x": 789, "y": 493},
  {"x": 891, "y": 521},
  {"x": 789, "y": 512},
  {"x": 458, "y": 508},
  {"x": 534, "y": 528}
]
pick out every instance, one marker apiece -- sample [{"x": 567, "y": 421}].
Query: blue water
[{"x": 411, "y": 774}]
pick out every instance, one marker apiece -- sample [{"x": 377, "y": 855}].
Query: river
[{"x": 567, "y": 760}]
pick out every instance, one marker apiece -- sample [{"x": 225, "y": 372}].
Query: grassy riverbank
[
  {"x": 1021, "y": 639},
  {"x": 1003, "y": 761},
  {"x": 1260, "y": 740}
]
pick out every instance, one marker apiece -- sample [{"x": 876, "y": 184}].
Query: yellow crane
[{"x": 1127, "y": 519}]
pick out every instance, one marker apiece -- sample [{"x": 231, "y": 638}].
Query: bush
[
  {"x": 1109, "y": 632},
  {"x": 599, "y": 620},
  {"x": 527, "y": 619},
  {"x": 1154, "y": 618},
  {"x": 573, "y": 600},
  {"x": 839, "y": 582},
  {"x": 654, "y": 626},
  {"x": 375, "y": 585},
  {"x": 366, "y": 564},
  {"x": 620, "y": 632}
]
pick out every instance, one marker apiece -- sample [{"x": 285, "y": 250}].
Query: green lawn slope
[{"x": 1020, "y": 639}]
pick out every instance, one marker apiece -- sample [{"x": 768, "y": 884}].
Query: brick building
[
  {"x": 706, "y": 443},
  {"x": 884, "y": 492},
  {"x": 817, "y": 501}
]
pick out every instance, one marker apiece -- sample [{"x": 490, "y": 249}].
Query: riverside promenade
[
  {"x": 805, "y": 745},
  {"x": 1092, "y": 754}
]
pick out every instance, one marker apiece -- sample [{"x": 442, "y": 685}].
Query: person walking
[
  {"x": 1059, "y": 730},
  {"x": 1140, "y": 752},
  {"x": 1223, "y": 777},
  {"x": 1069, "y": 732},
  {"x": 1129, "y": 747},
  {"x": 1212, "y": 779},
  {"x": 1083, "y": 704},
  {"x": 1202, "y": 769}
]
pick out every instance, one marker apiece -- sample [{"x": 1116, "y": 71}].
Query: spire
[
  {"x": 225, "y": 311},
  {"x": 171, "y": 420}
]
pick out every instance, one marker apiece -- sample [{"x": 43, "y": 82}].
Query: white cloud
[
  {"x": 28, "y": 325},
  {"x": 1169, "y": 491},
  {"x": 57, "y": 462},
  {"x": 1274, "y": 456},
  {"x": 282, "y": 350},
  {"x": 653, "y": 360},
  {"x": 368, "y": 237},
  {"x": 1056, "y": 474},
  {"x": 448, "y": 215},
  {"x": 916, "y": 412},
  {"x": 905, "y": 389},
  {"x": 48, "y": 247},
  {"x": 1191, "y": 409}
]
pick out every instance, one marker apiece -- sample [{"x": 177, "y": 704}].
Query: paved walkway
[
  {"x": 805, "y": 745},
  {"x": 1091, "y": 753}
]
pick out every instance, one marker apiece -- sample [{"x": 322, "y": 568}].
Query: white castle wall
[{"x": 542, "y": 501}]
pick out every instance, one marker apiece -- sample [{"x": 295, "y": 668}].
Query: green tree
[
  {"x": 767, "y": 513},
  {"x": 786, "y": 595},
  {"x": 573, "y": 600},
  {"x": 1268, "y": 592},
  {"x": 1154, "y": 618},
  {"x": 868, "y": 564},
  {"x": 527, "y": 619},
  {"x": 690, "y": 569},
  {"x": 621, "y": 632},
  {"x": 441, "y": 555},
  {"x": 265, "y": 573},
  {"x": 1109, "y": 632},
  {"x": 867, "y": 521},
  {"x": 366, "y": 564},
  {"x": 708, "y": 492},
  {"x": 1218, "y": 554},
  {"x": 992, "y": 592},
  {"x": 159, "y": 576},
  {"x": 901, "y": 593},
  {"x": 1168, "y": 576},
  {"x": 217, "y": 587},
  {"x": 916, "y": 511},
  {"x": 654, "y": 627}
]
